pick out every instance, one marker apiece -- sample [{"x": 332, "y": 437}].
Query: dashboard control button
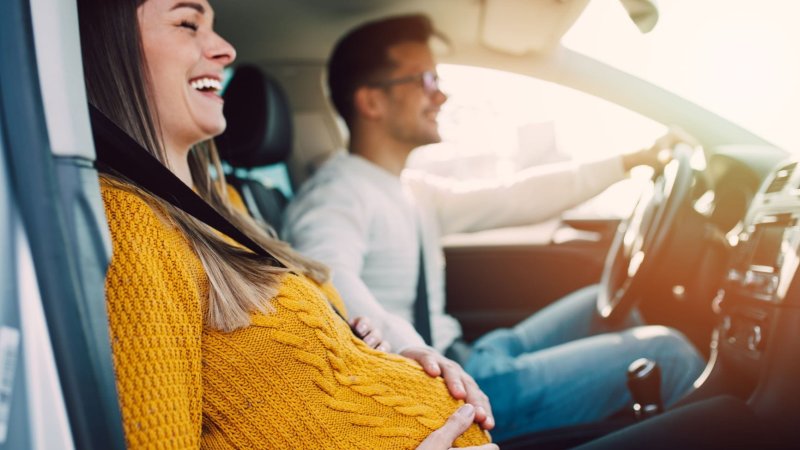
[{"x": 755, "y": 339}]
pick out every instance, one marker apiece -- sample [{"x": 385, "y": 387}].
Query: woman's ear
[{"x": 369, "y": 102}]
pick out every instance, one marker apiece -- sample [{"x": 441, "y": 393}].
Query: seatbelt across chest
[
  {"x": 119, "y": 152},
  {"x": 422, "y": 312}
]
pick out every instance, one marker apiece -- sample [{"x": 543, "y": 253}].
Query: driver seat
[{"x": 259, "y": 134}]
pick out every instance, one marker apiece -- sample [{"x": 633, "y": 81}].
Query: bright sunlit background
[{"x": 737, "y": 58}]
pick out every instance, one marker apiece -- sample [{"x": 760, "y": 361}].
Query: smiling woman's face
[{"x": 185, "y": 59}]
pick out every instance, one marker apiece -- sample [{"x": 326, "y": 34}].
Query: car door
[
  {"x": 63, "y": 393},
  {"x": 499, "y": 279}
]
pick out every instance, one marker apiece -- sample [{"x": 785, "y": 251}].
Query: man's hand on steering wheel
[
  {"x": 642, "y": 240},
  {"x": 660, "y": 152}
]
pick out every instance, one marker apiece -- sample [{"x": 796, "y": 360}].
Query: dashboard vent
[{"x": 781, "y": 178}]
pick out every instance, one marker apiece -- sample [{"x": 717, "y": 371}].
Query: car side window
[{"x": 513, "y": 121}]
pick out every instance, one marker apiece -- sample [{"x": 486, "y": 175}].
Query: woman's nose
[{"x": 221, "y": 50}]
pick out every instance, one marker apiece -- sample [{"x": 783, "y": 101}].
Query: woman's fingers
[
  {"x": 477, "y": 397},
  {"x": 371, "y": 336},
  {"x": 456, "y": 425}
]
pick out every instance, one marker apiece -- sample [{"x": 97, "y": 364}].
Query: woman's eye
[{"x": 190, "y": 25}]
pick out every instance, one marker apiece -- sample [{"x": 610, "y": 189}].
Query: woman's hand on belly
[
  {"x": 457, "y": 424},
  {"x": 460, "y": 384},
  {"x": 371, "y": 336}
]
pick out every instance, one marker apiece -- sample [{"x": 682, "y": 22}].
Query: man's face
[{"x": 411, "y": 111}]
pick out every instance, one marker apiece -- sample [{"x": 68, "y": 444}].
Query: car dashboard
[
  {"x": 763, "y": 267},
  {"x": 758, "y": 306}
]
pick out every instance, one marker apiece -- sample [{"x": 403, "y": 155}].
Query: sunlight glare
[{"x": 737, "y": 58}]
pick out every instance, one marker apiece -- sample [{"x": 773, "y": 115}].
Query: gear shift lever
[{"x": 644, "y": 384}]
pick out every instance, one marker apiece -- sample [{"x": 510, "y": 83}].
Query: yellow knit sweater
[{"x": 295, "y": 378}]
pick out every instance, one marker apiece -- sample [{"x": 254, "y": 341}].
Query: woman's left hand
[{"x": 369, "y": 334}]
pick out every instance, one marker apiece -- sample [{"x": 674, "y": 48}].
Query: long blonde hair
[{"x": 240, "y": 282}]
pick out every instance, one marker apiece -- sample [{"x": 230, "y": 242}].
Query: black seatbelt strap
[
  {"x": 118, "y": 151},
  {"x": 422, "y": 313}
]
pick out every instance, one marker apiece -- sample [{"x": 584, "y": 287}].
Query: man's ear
[{"x": 369, "y": 102}]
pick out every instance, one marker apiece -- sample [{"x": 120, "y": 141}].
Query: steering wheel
[{"x": 643, "y": 238}]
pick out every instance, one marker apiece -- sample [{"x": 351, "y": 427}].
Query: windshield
[{"x": 737, "y": 58}]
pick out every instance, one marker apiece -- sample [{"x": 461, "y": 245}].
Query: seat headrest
[{"x": 259, "y": 130}]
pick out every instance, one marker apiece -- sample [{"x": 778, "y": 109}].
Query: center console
[
  {"x": 758, "y": 340},
  {"x": 762, "y": 270}
]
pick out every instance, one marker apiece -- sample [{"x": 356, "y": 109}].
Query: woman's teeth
[{"x": 206, "y": 84}]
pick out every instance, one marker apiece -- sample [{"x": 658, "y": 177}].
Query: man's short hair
[{"x": 362, "y": 56}]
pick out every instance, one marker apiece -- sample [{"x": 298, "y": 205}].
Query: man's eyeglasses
[{"x": 429, "y": 81}]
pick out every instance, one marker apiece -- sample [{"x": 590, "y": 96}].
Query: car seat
[{"x": 259, "y": 133}]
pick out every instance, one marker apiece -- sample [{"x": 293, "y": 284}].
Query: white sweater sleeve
[
  {"x": 330, "y": 225},
  {"x": 530, "y": 196}
]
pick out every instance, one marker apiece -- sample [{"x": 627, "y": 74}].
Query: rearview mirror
[{"x": 644, "y": 13}]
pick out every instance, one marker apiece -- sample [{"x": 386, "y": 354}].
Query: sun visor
[{"x": 527, "y": 26}]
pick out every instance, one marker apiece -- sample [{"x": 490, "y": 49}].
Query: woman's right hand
[
  {"x": 369, "y": 334},
  {"x": 456, "y": 425}
]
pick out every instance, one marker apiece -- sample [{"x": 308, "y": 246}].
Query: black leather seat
[{"x": 259, "y": 134}]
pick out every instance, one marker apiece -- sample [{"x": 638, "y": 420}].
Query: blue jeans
[{"x": 564, "y": 366}]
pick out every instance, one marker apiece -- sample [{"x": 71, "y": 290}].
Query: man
[{"x": 376, "y": 226}]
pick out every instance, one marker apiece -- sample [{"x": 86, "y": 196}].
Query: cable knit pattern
[{"x": 295, "y": 378}]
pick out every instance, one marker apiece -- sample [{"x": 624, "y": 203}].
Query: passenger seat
[{"x": 259, "y": 134}]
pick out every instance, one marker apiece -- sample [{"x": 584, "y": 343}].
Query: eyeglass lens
[{"x": 430, "y": 82}]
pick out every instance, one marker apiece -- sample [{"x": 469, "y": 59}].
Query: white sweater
[{"x": 362, "y": 221}]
